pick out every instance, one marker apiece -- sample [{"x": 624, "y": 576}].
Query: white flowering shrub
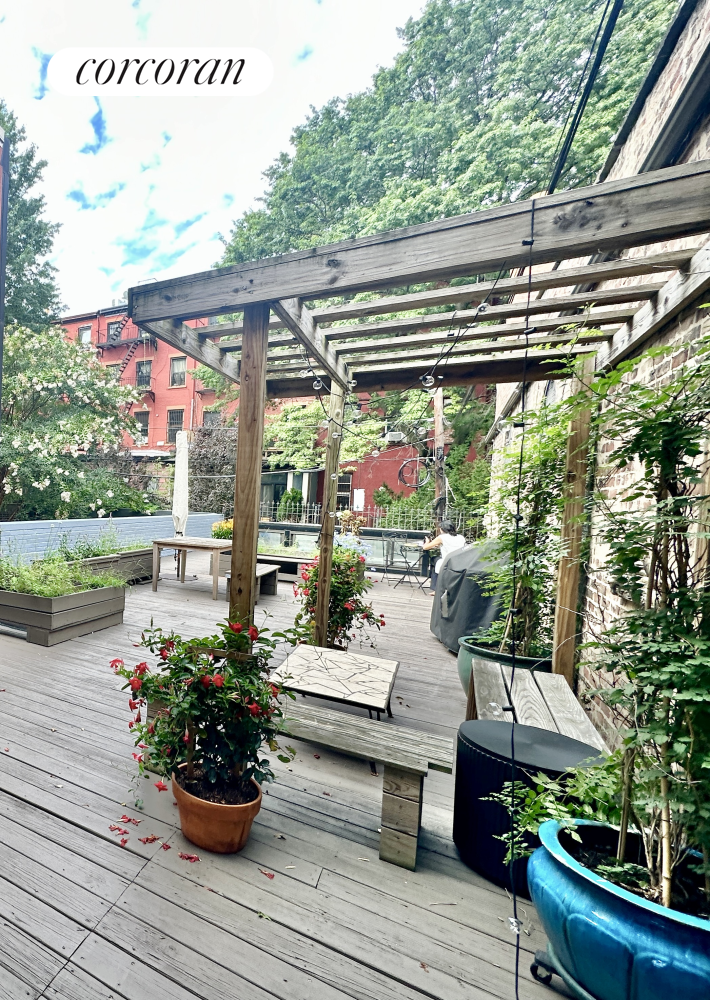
[{"x": 59, "y": 407}]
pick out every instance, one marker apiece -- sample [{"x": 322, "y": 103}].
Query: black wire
[
  {"x": 516, "y": 540},
  {"x": 588, "y": 87}
]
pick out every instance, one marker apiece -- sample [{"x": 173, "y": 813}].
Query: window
[
  {"x": 143, "y": 372},
  {"x": 142, "y": 419},
  {"x": 178, "y": 368},
  {"x": 113, "y": 332},
  {"x": 344, "y": 483},
  {"x": 114, "y": 371},
  {"x": 175, "y": 419},
  {"x": 211, "y": 418},
  {"x": 84, "y": 334}
]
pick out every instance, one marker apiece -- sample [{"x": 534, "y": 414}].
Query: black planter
[{"x": 483, "y": 766}]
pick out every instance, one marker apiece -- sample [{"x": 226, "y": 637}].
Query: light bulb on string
[
  {"x": 303, "y": 373},
  {"x": 375, "y": 452},
  {"x": 334, "y": 475},
  {"x": 352, "y": 383},
  {"x": 428, "y": 381},
  {"x": 317, "y": 384}
]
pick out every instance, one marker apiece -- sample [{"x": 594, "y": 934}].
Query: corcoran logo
[{"x": 173, "y": 72}]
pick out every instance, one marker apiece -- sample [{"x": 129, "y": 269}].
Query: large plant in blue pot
[{"x": 626, "y": 905}]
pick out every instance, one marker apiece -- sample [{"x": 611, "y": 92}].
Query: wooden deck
[{"x": 86, "y": 919}]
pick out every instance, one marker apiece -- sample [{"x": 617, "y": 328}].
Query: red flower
[
  {"x": 382, "y": 623},
  {"x": 186, "y": 738},
  {"x": 235, "y": 627},
  {"x": 133, "y": 705},
  {"x": 150, "y": 839},
  {"x": 254, "y": 708},
  {"x": 274, "y": 690},
  {"x": 151, "y": 729},
  {"x": 115, "y": 664},
  {"x": 192, "y": 858},
  {"x": 364, "y": 617},
  {"x": 135, "y": 683},
  {"x": 349, "y": 606},
  {"x": 141, "y": 668},
  {"x": 163, "y": 654},
  {"x": 362, "y": 559},
  {"x": 130, "y": 724},
  {"x": 124, "y": 841},
  {"x": 304, "y": 576},
  {"x": 138, "y": 757},
  {"x": 166, "y": 847},
  {"x": 268, "y": 874},
  {"x": 253, "y": 633},
  {"x": 138, "y": 717},
  {"x": 218, "y": 680},
  {"x": 206, "y": 680},
  {"x": 161, "y": 786},
  {"x": 306, "y": 590},
  {"x": 170, "y": 644}
]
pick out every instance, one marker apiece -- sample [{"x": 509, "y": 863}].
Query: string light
[
  {"x": 317, "y": 384},
  {"x": 428, "y": 381}
]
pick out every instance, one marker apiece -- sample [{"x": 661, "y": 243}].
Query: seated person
[{"x": 448, "y": 540}]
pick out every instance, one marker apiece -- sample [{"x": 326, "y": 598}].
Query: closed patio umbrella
[{"x": 180, "y": 484}]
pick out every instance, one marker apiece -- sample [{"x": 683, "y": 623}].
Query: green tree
[
  {"x": 31, "y": 295},
  {"x": 469, "y": 115},
  {"x": 59, "y": 407}
]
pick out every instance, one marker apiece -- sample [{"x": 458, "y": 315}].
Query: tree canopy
[
  {"x": 31, "y": 295},
  {"x": 469, "y": 116}
]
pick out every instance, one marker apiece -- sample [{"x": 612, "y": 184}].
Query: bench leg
[{"x": 401, "y": 817}]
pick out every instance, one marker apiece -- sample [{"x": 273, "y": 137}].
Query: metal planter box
[{"x": 49, "y": 620}]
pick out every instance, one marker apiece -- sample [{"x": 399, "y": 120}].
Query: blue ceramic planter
[{"x": 606, "y": 942}]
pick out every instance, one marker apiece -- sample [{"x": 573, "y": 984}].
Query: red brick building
[{"x": 172, "y": 400}]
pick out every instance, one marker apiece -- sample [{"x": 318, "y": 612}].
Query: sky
[{"x": 143, "y": 186}]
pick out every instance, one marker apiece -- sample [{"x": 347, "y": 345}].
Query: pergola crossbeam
[
  {"x": 188, "y": 340},
  {"x": 644, "y": 209},
  {"x": 300, "y": 322}
]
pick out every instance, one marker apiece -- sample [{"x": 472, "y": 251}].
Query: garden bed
[
  {"x": 49, "y": 620},
  {"x": 132, "y": 566}
]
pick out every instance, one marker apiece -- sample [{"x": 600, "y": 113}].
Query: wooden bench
[
  {"x": 266, "y": 580},
  {"x": 406, "y": 754},
  {"x": 536, "y": 699}
]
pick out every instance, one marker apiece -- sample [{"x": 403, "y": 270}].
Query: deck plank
[{"x": 88, "y": 920}]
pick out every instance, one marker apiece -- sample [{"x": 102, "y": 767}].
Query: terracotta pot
[{"x": 212, "y": 826}]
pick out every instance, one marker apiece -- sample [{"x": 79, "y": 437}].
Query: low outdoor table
[
  {"x": 183, "y": 545},
  {"x": 352, "y": 678}
]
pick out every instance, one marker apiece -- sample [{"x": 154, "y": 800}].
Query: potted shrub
[
  {"x": 348, "y": 614},
  {"x": 635, "y": 888},
  {"x": 216, "y": 708},
  {"x": 532, "y": 546},
  {"x": 54, "y": 600}
]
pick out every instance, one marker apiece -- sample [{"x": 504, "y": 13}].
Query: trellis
[{"x": 286, "y": 345}]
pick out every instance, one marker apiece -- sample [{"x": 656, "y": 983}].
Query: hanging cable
[
  {"x": 514, "y": 920},
  {"x": 588, "y": 87}
]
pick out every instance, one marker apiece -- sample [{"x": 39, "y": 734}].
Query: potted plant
[
  {"x": 632, "y": 883},
  {"x": 53, "y": 600},
  {"x": 531, "y": 545},
  {"x": 348, "y": 614},
  {"x": 216, "y": 708}
]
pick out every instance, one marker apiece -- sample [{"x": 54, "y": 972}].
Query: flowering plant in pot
[
  {"x": 349, "y": 616},
  {"x": 201, "y": 715}
]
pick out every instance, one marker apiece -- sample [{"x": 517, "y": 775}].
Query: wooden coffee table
[{"x": 353, "y": 678}]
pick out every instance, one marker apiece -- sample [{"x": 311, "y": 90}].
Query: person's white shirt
[{"x": 449, "y": 544}]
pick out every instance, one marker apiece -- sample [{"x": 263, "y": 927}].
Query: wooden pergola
[{"x": 290, "y": 345}]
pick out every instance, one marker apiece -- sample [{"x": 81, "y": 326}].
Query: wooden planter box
[
  {"x": 49, "y": 620},
  {"x": 132, "y": 566}
]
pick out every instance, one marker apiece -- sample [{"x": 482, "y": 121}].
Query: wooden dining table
[{"x": 185, "y": 544}]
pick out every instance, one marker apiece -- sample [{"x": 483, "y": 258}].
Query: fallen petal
[{"x": 268, "y": 874}]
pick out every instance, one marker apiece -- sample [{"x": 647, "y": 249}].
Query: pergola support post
[
  {"x": 330, "y": 497},
  {"x": 247, "y": 482},
  {"x": 439, "y": 462},
  {"x": 566, "y": 617}
]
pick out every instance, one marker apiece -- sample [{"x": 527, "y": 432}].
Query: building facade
[{"x": 172, "y": 399}]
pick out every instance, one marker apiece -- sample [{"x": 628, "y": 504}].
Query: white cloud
[{"x": 142, "y": 186}]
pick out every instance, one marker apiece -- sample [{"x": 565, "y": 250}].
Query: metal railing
[{"x": 403, "y": 519}]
